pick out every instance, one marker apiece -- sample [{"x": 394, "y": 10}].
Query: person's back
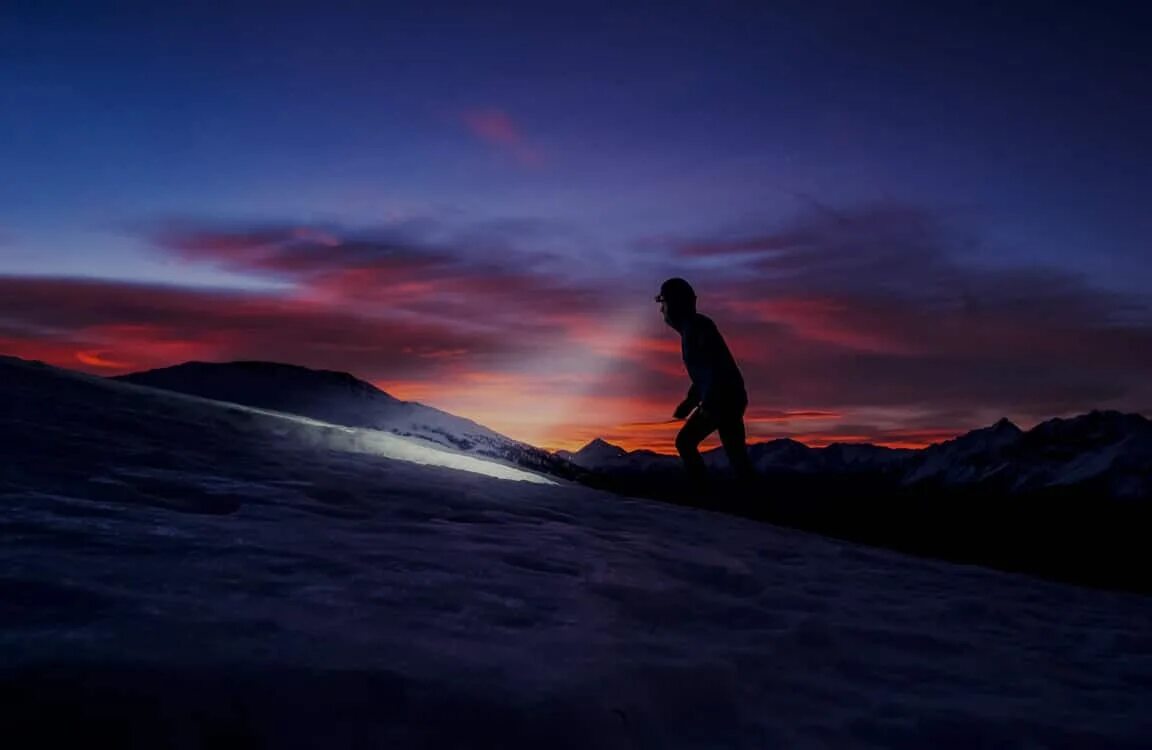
[{"x": 711, "y": 366}]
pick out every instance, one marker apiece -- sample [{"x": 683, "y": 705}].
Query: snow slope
[
  {"x": 182, "y": 573},
  {"x": 340, "y": 398}
]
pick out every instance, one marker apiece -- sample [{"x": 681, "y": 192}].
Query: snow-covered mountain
[
  {"x": 972, "y": 457},
  {"x": 340, "y": 398},
  {"x": 1104, "y": 453},
  {"x": 179, "y": 572}
]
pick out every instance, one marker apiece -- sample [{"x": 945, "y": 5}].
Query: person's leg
[
  {"x": 734, "y": 439},
  {"x": 688, "y": 446}
]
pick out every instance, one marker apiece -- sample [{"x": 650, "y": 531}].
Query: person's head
[{"x": 677, "y": 300}]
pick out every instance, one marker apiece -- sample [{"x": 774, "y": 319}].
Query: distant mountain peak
[
  {"x": 1003, "y": 432},
  {"x": 1006, "y": 425},
  {"x": 601, "y": 448}
]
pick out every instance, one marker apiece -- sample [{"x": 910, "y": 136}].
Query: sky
[{"x": 907, "y": 221}]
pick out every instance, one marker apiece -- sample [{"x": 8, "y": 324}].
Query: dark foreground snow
[{"x": 180, "y": 573}]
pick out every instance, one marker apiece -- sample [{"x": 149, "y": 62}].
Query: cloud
[
  {"x": 299, "y": 252},
  {"x": 848, "y": 325},
  {"x": 118, "y": 326},
  {"x": 876, "y": 307},
  {"x": 426, "y": 273},
  {"x": 755, "y": 245},
  {"x": 495, "y": 127},
  {"x": 502, "y": 341}
]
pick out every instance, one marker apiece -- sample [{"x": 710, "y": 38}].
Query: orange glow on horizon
[
  {"x": 485, "y": 397},
  {"x": 96, "y": 359},
  {"x": 57, "y": 354},
  {"x": 494, "y": 390}
]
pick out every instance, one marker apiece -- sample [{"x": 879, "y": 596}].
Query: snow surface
[{"x": 182, "y": 573}]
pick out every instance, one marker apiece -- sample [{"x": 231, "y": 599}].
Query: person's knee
[
  {"x": 732, "y": 430},
  {"x": 686, "y": 444}
]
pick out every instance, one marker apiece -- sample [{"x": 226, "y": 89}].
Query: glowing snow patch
[
  {"x": 396, "y": 447},
  {"x": 381, "y": 443},
  {"x": 315, "y": 432}
]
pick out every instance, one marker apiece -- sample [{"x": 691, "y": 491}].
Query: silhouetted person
[{"x": 717, "y": 398}]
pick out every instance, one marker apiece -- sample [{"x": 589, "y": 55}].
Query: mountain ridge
[
  {"x": 1100, "y": 447},
  {"x": 1105, "y": 452}
]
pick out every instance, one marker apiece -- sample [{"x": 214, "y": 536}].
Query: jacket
[{"x": 717, "y": 383}]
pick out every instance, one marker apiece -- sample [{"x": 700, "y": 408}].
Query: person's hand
[
  {"x": 684, "y": 409},
  {"x": 700, "y": 412}
]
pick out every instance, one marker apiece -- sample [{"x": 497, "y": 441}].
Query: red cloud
[
  {"x": 143, "y": 325},
  {"x": 871, "y": 310},
  {"x": 496, "y": 128},
  {"x": 485, "y": 365},
  {"x": 383, "y": 272},
  {"x": 841, "y": 315}
]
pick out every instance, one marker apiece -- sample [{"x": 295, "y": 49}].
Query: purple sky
[{"x": 907, "y": 221}]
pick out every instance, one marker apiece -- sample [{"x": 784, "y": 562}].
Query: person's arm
[
  {"x": 688, "y": 404},
  {"x": 711, "y": 345}
]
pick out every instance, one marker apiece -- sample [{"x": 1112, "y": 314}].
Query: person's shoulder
[{"x": 703, "y": 322}]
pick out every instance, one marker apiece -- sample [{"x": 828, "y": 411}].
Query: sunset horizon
[{"x": 657, "y": 436}]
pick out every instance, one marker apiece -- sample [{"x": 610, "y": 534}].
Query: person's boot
[{"x": 694, "y": 488}]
